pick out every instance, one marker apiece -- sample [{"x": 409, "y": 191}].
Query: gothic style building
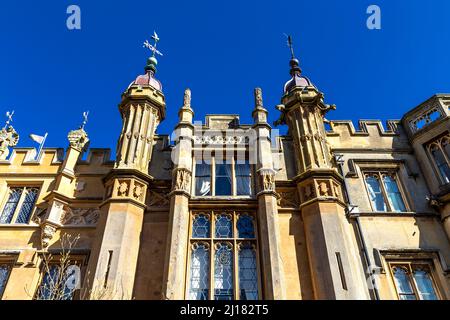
[{"x": 230, "y": 210}]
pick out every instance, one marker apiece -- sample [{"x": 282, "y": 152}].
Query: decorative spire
[
  {"x": 152, "y": 62},
  {"x": 294, "y": 63},
  {"x": 259, "y": 113}
]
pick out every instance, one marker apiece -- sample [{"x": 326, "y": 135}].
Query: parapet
[{"x": 370, "y": 134}]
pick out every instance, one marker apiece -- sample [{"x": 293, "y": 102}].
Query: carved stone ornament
[
  {"x": 158, "y": 199},
  {"x": 288, "y": 198},
  {"x": 182, "y": 180},
  {"x": 258, "y": 98},
  {"x": 268, "y": 180},
  {"x": 187, "y": 98},
  {"x": 47, "y": 233},
  {"x": 80, "y": 216},
  {"x": 78, "y": 139},
  {"x": 8, "y": 138}
]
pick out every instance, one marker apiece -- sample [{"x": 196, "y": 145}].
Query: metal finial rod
[
  {"x": 9, "y": 115},
  {"x": 85, "y": 119},
  {"x": 290, "y": 44}
]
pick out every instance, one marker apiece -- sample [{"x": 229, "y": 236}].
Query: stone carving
[
  {"x": 78, "y": 139},
  {"x": 47, "y": 233},
  {"x": 123, "y": 188},
  {"x": 182, "y": 180},
  {"x": 268, "y": 180},
  {"x": 426, "y": 117},
  {"x": 80, "y": 216},
  {"x": 308, "y": 192},
  {"x": 138, "y": 191},
  {"x": 80, "y": 186},
  {"x": 288, "y": 198},
  {"x": 324, "y": 189},
  {"x": 158, "y": 199},
  {"x": 8, "y": 138}
]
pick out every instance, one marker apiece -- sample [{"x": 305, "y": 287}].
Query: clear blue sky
[{"x": 219, "y": 49}]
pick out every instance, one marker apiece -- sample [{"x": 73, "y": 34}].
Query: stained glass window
[
  {"x": 4, "y": 274},
  {"x": 223, "y": 272},
  {"x": 245, "y": 226},
  {"x": 19, "y": 206},
  {"x": 224, "y": 226},
  {"x": 414, "y": 282},
  {"x": 224, "y": 262},
  {"x": 248, "y": 277},
  {"x": 199, "y": 284},
  {"x": 200, "y": 226}
]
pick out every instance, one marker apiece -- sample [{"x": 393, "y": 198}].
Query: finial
[
  {"x": 9, "y": 115},
  {"x": 85, "y": 119},
  {"x": 258, "y": 98},
  {"x": 152, "y": 62},
  {"x": 187, "y": 98},
  {"x": 294, "y": 63}
]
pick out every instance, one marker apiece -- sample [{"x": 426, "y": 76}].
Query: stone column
[
  {"x": 178, "y": 231},
  {"x": 273, "y": 273}
]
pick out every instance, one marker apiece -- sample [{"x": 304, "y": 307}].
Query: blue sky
[{"x": 221, "y": 50}]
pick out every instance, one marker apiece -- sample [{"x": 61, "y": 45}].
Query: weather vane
[
  {"x": 152, "y": 48},
  {"x": 290, "y": 45},
  {"x": 85, "y": 119},
  {"x": 9, "y": 115}
]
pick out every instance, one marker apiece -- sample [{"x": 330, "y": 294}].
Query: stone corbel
[
  {"x": 48, "y": 230},
  {"x": 267, "y": 181}
]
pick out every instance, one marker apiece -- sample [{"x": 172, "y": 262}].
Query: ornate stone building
[{"x": 230, "y": 210}]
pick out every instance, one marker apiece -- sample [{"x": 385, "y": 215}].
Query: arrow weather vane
[{"x": 152, "y": 48}]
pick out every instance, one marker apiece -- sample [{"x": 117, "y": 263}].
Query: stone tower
[
  {"x": 332, "y": 254},
  {"x": 114, "y": 257}
]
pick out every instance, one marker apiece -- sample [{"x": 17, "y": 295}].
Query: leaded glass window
[
  {"x": 19, "y": 205},
  {"x": 5, "y": 269},
  {"x": 414, "y": 281},
  {"x": 248, "y": 273},
  {"x": 440, "y": 154},
  {"x": 56, "y": 285},
  {"x": 223, "y": 271},
  {"x": 384, "y": 192},
  {"x": 243, "y": 179},
  {"x": 199, "y": 278},
  {"x": 223, "y": 256}
]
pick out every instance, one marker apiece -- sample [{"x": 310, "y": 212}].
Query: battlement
[
  {"x": 370, "y": 134},
  {"x": 28, "y": 156}
]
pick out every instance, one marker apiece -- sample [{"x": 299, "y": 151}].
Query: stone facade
[{"x": 320, "y": 232}]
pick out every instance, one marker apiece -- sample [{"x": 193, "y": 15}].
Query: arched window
[
  {"x": 384, "y": 192},
  {"x": 223, "y": 258},
  {"x": 413, "y": 281},
  {"x": 439, "y": 151}
]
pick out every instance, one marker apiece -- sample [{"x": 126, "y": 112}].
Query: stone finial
[
  {"x": 187, "y": 98},
  {"x": 8, "y": 138},
  {"x": 78, "y": 139},
  {"x": 258, "y": 98}
]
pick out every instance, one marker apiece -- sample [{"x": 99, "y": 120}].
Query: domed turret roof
[
  {"x": 148, "y": 79},
  {"x": 297, "y": 80}
]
